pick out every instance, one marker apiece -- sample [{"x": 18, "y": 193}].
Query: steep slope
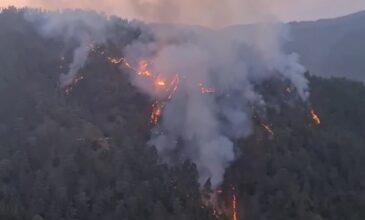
[
  {"x": 306, "y": 171},
  {"x": 82, "y": 154}
]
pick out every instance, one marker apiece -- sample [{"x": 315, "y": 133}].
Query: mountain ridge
[{"x": 326, "y": 47}]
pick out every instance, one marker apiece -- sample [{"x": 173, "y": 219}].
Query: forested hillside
[{"x": 81, "y": 153}]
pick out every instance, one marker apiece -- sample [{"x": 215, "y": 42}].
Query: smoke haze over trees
[
  {"x": 328, "y": 47},
  {"x": 83, "y": 154}
]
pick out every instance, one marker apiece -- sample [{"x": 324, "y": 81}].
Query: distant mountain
[
  {"x": 327, "y": 47},
  {"x": 332, "y": 47}
]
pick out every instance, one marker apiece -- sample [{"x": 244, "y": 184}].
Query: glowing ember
[
  {"x": 166, "y": 87},
  {"x": 160, "y": 83},
  {"x": 156, "y": 113},
  {"x": 143, "y": 69},
  {"x": 315, "y": 118},
  {"x": 268, "y": 129},
  {"x": 205, "y": 90},
  {"x": 115, "y": 60},
  {"x": 234, "y": 207}
]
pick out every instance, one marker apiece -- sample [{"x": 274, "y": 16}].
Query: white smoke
[
  {"x": 195, "y": 126},
  {"x": 85, "y": 28},
  {"x": 202, "y": 127}
]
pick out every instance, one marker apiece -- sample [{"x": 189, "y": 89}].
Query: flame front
[
  {"x": 165, "y": 88},
  {"x": 143, "y": 69},
  {"x": 315, "y": 118},
  {"x": 234, "y": 207},
  {"x": 156, "y": 113},
  {"x": 115, "y": 61},
  {"x": 160, "y": 83}
]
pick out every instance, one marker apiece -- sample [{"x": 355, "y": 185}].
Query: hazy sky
[{"x": 206, "y": 12}]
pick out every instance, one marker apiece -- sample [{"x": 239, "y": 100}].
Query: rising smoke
[
  {"x": 82, "y": 27},
  {"x": 197, "y": 126},
  {"x": 203, "y": 126},
  {"x": 86, "y": 29}
]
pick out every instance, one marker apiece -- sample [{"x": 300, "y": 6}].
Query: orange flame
[
  {"x": 156, "y": 113},
  {"x": 315, "y": 118},
  {"x": 234, "y": 207},
  {"x": 160, "y": 83},
  {"x": 115, "y": 61},
  {"x": 167, "y": 86},
  {"x": 143, "y": 69}
]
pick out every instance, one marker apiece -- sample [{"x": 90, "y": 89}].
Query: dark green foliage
[
  {"x": 83, "y": 156},
  {"x": 306, "y": 171}
]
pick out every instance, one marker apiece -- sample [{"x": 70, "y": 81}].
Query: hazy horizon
[{"x": 207, "y": 12}]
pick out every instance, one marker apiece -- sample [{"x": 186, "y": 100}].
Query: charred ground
[{"x": 83, "y": 154}]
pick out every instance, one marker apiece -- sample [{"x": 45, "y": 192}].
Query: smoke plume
[
  {"x": 217, "y": 72},
  {"x": 83, "y": 27},
  {"x": 202, "y": 126}
]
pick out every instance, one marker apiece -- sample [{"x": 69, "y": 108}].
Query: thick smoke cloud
[
  {"x": 203, "y": 126},
  {"x": 195, "y": 125}
]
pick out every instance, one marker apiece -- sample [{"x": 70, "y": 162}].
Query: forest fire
[
  {"x": 143, "y": 69},
  {"x": 315, "y": 118},
  {"x": 234, "y": 207},
  {"x": 115, "y": 61},
  {"x": 160, "y": 83},
  {"x": 156, "y": 113}
]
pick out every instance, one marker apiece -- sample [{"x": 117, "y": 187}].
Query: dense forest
[{"x": 82, "y": 154}]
